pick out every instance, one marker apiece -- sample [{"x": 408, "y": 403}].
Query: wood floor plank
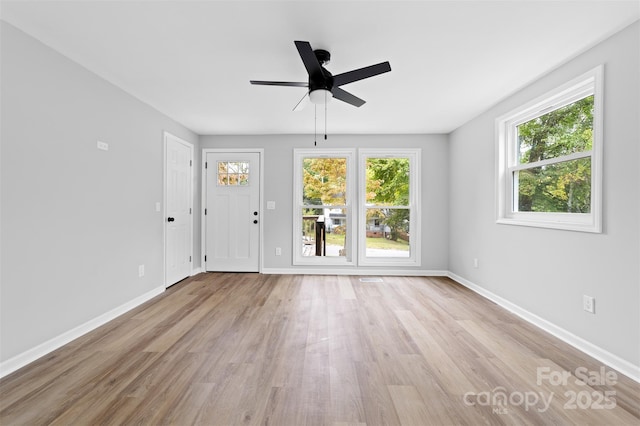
[
  {"x": 57, "y": 394},
  {"x": 409, "y": 405},
  {"x": 344, "y": 351},
  {"x": 446, "y": 369},
  {"x": 346, "y": 289},
  {"x": 97, "y": 396},
  {"x": 192, "y": 400},
  {"x": 441, "y": 408},
  {"x": 376, "y": 400},
  {"x": 252, "y": 349},
  {"x": 41, "y": 373}
]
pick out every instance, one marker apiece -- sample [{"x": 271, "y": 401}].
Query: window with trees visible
[
  {"x": 323, "y": 206},
  {"x": 549, "y": 158},
  {"x": 328, "y": 193},
  {"x": 388, "y": 195}
]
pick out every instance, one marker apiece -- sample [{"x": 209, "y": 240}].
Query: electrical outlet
[
  {"x": 103, "y": 146},
  {"x": 278, "y": 251},
  {"x": 589, "y": 304},
  {"x": 140, "y": 270}
]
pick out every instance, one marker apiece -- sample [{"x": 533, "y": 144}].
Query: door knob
[
  {"x": 255, "y": 221},
  {"x": 255, "y": 213},
  {"x": 170, "y": 219}
]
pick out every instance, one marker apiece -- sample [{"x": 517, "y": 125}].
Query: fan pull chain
[{"x": 325, "y": 116}]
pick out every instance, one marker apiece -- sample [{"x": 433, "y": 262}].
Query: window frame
[
  {"x": 298, "y": 156},
  {"x": 415, "y": 258},
  {"x": 589, "y": 83}
]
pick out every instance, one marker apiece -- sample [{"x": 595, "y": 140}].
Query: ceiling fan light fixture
[{"x": 320, "y": 96}]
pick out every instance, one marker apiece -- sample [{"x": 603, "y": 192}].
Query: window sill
[{"x": 589, "y": 226}]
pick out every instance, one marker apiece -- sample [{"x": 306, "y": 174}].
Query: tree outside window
[
  {"x": 387, "y": 200},
  {"x": 564, "y": 186},
  {"x": 549, "y": 158}
]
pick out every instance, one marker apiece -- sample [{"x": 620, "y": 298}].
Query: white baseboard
[
  {"x": 20, "y": 360},
  {"x": 196, "y": 271},
  {"x": 623, "y": 366},
  {"x": 355, "y": 271}
]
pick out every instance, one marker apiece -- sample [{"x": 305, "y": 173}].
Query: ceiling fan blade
[
  {"x": 347, "y": 97},
  {"x": 303, "y": 102},
  {"x": 279, "y": 83},
  {"x": 308, "y": 58},
  {"x": 361, "y": 73}
]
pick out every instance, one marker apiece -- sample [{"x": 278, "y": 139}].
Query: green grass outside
[{"x": 374, "y": 243}]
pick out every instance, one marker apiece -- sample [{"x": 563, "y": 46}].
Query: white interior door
[
  {"x": 232, "y": 215},
  {"x": 178, "y": 209}
]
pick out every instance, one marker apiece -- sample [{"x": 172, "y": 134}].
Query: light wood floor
[{"x": 235, "y": 349}]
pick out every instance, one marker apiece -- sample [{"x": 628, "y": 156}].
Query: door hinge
[
  {"x": 205, "y": 257},
  {"x": 190, "y": 163},
  {"x": 189, "y": 210},
  {"x": 189, "y": 258},
  {"x": 205, "y": 212},
  {"x": 205, "y": 164}
]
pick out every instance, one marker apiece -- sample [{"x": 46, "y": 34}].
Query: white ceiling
[{"x": 192, "y": 60}]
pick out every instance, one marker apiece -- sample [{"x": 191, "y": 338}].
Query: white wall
[
  {"x": 278, "y": 185},
  {"x": 546, "y": 272},
  {"x": 76, "y": 222}
]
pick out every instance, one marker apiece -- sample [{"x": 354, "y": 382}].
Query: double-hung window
[
  {"x": 388, "y": 193},
  {"x": 550, "y": 158},
  {"x": 323, "y": 212}
]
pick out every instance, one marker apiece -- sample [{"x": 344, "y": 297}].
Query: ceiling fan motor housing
[{"x": 322, "y": 80}]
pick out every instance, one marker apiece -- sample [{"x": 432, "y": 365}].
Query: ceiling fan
[{"x": 322, "y": 85}]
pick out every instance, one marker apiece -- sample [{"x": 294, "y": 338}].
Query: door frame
[
  {"x": 165, "y": 137},
  {"x": 203, "y": 219}
]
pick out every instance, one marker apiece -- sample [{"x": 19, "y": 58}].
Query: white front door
[
  {"x": 232, "y": 215},
  {"x": 178, "y": 209}
]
